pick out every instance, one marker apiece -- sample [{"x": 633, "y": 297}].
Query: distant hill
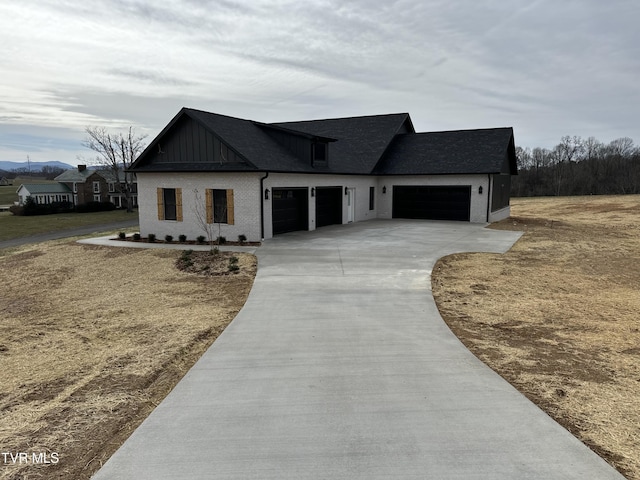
[{"x": 35, "y": 166}]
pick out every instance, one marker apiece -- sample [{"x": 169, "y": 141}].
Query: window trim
[
  {"x": 212, "y": 215},
  {"x": 161, "y": 204}
]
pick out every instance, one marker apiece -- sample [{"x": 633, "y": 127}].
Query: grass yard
[
  {"x": 558, "y": 316},
  {"x": 12, "y": 226},
  {"x": 93, "y": 339},
  {"x": 8, "y": 194}
]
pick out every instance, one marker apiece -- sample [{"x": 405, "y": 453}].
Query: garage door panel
[
  {"x": 432, "y": 202},
  {"x": 290, "y": 210},
  {"x": 328, "y": 206}
]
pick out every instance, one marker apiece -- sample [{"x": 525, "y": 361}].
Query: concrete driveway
[{"x": 340, "y": 367}]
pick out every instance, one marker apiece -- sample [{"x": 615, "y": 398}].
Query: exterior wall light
[
  {"x": 346, "y": 190},
  {"x": 313, "y": 192},
  {"x": 384, "y": 190},
  {"x": 266, "y": 194},
  {"x": 480, "y": 189}
]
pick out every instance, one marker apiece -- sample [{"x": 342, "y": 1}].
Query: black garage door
[
  {"x": 290, "y": 210},
  {"x": 328, "y": 206},
  {"x": 432, "y": 202}
]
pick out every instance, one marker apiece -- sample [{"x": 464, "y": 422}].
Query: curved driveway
[{"x": 340, "y": 367}]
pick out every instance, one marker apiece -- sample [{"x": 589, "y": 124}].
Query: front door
[{"x": 351, "y": 205}]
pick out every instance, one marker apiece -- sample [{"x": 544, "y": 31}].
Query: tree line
[
  {"x": 578, "y": 166},
  {"x": 47, "y": 172}
]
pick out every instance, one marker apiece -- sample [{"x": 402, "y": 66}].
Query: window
[
  {"x": 112, "y": 187},
  {"x": 169, "y": 199},
  {"x": 372, "y": 198},
  {"x": 75, "y": 187},
  {"x": 96, "y": 198},
  {"x": 219, "y": 205},
  {"x": 170, "y": 204},
  {"x": 319, "y": 152},
  {"x": 96, "y": 187}
]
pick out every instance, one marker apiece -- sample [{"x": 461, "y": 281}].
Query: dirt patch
[
  {"x": 93, "y": 339},
  {"x": 557, "y": 315}
]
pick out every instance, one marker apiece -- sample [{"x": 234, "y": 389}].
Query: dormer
[{"x": 310, "y": 149}]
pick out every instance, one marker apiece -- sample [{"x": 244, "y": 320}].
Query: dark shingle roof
[
  {"x": 375, "y": 144},
  {"x": 454, "y": 152},
  {"x": 361, "y": 141}
]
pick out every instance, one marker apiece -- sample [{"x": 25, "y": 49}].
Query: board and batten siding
[{"x": 189, "y": 142}]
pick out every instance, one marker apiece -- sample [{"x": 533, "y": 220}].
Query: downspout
[
  {"x": 262, "y": 206},
  {"x": 488, "y": 197}
]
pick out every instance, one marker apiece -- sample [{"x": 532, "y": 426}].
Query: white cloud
[{"x": 546, "y": 68}]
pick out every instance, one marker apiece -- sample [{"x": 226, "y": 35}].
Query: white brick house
[{"x": 260, "y": 180}]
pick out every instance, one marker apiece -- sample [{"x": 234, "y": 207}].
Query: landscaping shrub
[
  {"x": 122, "y": 235},
  {"x": 222, "y": 240},
  {"x": 151, "y": 237},
  {"x": 136, "y": 237},
  {"x": 168, "y": 238},
  {"x": 200, "y": 239},
  {"x": 30, "y": 208},
  {"x": 242, "y": 238},
  {"x": 233, "y": 265},
  {"x": 185, "y": 260},
  {"x": 182, "y": 238},
  {"x": 16, "y": 210}
]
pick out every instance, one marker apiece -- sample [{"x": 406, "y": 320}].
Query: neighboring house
[
  {"x": 4, "y": 181},
  {"x": 44, "y": 193},
  {"x": 95, "y": 186},
  {"x": 261, "y": 180},
  {"x": 114, "y": 193}
]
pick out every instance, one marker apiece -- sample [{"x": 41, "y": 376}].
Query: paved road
[
  {"x": 73, "y": 232},
  {"x": 339, "y": 366}
]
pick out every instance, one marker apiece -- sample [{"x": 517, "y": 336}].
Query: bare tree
[
  {"x": 203, "y": 218},
  {"x": 116, "y": 153}
]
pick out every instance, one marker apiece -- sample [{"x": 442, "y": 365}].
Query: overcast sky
[{"x": 546, "y": 68}]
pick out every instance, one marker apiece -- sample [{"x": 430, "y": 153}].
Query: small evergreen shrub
[
  {"x": 168, "y": 238},
  {"x": 242, "y": 238},
  {"x": 136, "y": 237},
  {"x": 185, "y": 260},
  {"x": 152, "y": 237},
  {"x": 122, "y": 235},
  {"x": 222, "y": 240},
  {"x": 233, "y": 260},
  {"x": 182, "y": 238},
  {"x": 200, "y": 239}
]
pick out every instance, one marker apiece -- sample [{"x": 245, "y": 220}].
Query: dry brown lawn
[
  {"x": 92, "y": 339},
  {"x": 558, "y": 315}
]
